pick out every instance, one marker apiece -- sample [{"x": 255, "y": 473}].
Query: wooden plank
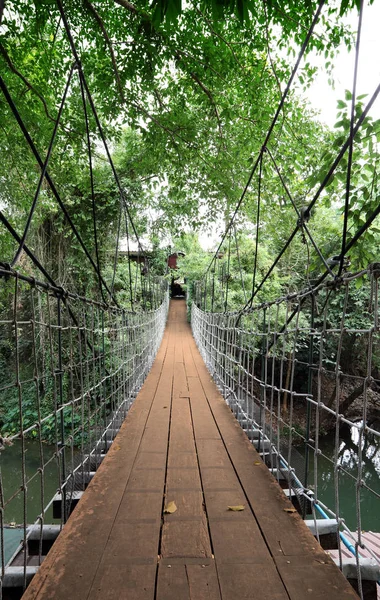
[
  {"x": 236, "y": 538},
  {"x": 306, "y": 578},
  {"x": 172, "y": 583},
  {"x": 180, "y": 442},
  {"x": 77, "y": 554},
  {"x": 252, "y": 582},
  {"x": 285, "y": 534},
  {"x": 212, "y": 454},
  {"x": 204, "y": 423},
  {"x": 179, "y": 478},
  {"x": 129, "y": 582},
  {"x": 183, "y": 460},
  {"x": 203, "y": 582},
  {"x": 141, "y": 505},
  {"x": 181, "y": 430},
  {"x": 153, "y": 459},
  {"x": 185, "y": 532},
  {"x": 218, "y": 501},
  {"x": 131, "y": 541},
  {"x": 147, "y": 479},
  {"x": 185, "y": 538},
  {"x": 188, "y": 582},
  {"x": 214, "y": 479},
  {"x": 189, "y": 503},
  {"x": 135, "y": 535},
  {"x": 290, "y": 536},
  {"x": 86, "y": 533}
]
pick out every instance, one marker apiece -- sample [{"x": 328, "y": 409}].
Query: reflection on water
[
  {"x": 35, "y": 497},
  {"x": 348, "y": 459},
  {"x": 348, "y": 475}
]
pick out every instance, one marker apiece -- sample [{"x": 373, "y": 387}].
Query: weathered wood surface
[{"x": 181, "y": 443}]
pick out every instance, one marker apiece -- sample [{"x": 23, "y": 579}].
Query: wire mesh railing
[
  {"x": 297, "y": 372},
  {"x": 70, "y": 370}
]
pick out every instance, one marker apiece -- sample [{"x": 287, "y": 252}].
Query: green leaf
[{"x": 348, "y": 95}]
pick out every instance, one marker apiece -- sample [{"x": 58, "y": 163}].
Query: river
[
  {"x": 11, "y": 473},
  {"x": 348, "y": 460}
]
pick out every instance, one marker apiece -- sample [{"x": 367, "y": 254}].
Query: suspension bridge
[
  {"x": 158, "y": 460},
  {"x": 181, "y": 449}
]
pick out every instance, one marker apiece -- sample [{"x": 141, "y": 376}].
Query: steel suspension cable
[
  {"x": 213, "y": 272},
  {"x": 36, "y": 262},
  {"x": 228, "y": 272},
  {"x": 301, "y": 218},
  {"x": 116, "y": 177},
  {"x": 239, "y": 264},
  {"x": 344, "y": 147},
  {"x": 339, "y": 157},
  {"x": 257, "y": 221},
  {"x": 95, "y": 113},
  {"x": 129, "y": 259},
  {"x": 351, "y": 139},
  {"x": 274, "y": 120},
  {"x": 43, "y": 171},
  {"x": 347, "y": 248},
  {"x": 89, "y": 151},
  {"x": 37, "y": 156},
  {"x": 116, "y": 255}
]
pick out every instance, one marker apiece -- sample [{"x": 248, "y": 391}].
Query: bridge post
[
  {"x": 263, "y": 378},
  {"x": 310, "y": 392},
  {"x": 59, "y": 374}
]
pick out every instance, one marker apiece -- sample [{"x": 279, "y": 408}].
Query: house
[{"x": 172, "y": 259}]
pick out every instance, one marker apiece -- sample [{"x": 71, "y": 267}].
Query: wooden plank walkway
[{"x": 181, "y": 443}]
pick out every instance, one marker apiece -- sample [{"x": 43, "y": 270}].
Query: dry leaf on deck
[
  {"x": 290, "y": 510},
  {"x": 170, "y": 508},
  {"x": 236, "y": 508}
]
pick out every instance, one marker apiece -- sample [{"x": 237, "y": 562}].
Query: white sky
[{"x": 322, "y": 96}]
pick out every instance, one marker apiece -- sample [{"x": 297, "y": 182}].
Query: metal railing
[
  {"x": 298, "y": 371},
  {"x": 70, "y": 370}
]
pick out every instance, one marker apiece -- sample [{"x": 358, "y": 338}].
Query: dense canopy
[
  {"x": 185, "y": 96},
  {"x": 202, "y": 131}
]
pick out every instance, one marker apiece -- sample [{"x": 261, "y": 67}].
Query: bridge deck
[{"x": 181, "y": 443}]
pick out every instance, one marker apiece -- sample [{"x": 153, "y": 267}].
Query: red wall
[{"x": 172, "y": 261}]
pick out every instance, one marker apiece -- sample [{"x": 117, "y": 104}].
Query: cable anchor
[{"x": 304, "y": 216}]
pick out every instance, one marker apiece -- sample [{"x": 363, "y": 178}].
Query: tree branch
[
  {"x": 212, "y": 101},
  {"x": 100, "y": 22},
  {"x": 128, "y": 6},
  {"x": 268, "y": 50},
  {"x": 134, "y": 10},
  {"x": 201, "y": 62},
  {"x": 218, "y": 35},
  {"x": 159, "y": 99},
  {"x": 2, "y": 6},
  {"x": 247, "y": 119},
  {"x": 157, "y": 122},
  {"x": 14, "y": 70}
]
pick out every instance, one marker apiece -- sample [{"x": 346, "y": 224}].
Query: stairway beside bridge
[{"x": 180, "y": 443}]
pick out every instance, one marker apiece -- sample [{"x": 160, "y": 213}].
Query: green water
[
  {"x": 34, "y": 498},
  {"x": 14, "y": 497},
  {"x": 11, "y": 474},
  {"x": 369, "y": 502}
]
